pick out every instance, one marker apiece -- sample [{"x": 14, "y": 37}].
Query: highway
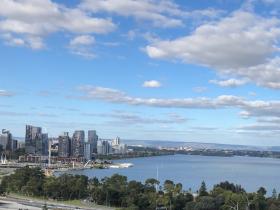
[{"x": 10, "y": 203}]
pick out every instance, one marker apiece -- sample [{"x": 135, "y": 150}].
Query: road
[{"x": 8, "y": 203}]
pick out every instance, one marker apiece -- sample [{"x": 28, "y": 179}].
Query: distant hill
[{"x": 199, "y": 145}]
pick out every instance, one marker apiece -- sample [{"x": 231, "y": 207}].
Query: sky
[{"x": 176, "y": 70}]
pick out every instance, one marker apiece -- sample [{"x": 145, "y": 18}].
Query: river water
[{"x": 191, "y": 170}]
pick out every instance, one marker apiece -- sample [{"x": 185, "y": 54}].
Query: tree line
[{"x": 118, "y": 192}]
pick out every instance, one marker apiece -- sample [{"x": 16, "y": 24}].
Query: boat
[{"x": 121, "y": 165}]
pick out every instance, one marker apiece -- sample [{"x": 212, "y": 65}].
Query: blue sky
[{"x": 199, "y": 70}]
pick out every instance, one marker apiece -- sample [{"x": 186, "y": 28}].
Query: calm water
[{"x": 190, "y": 170}]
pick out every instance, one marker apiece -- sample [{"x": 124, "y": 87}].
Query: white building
[
  {"x": 116, "y": 141},
  {"x": 117, "y": 147},
  {"x": 104, "y": 147}
]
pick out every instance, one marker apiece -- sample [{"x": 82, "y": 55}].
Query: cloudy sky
[{"x": 181, "y": 70}]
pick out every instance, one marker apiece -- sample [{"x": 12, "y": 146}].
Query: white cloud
[
  {"x": 81, "y": 45},
  {"x": 200, "y": 89},
  {"x": 121, "y": 117},
  {"x": 209, "y": 12},
  {"x": 266, "y": 74},
  {"x": 260, "y": 127},
  {"x": 273, "y": 120},
  {"x": 32, "y": 20},
  {"x": 242, "y": 44},
  {"x": 131, "y": 34},
  {"x": 229, "y": 82},
  {"x": 152, "y": 84},
  {"x": 82, "y": 40},
  {"x": 162, "y": 13},
  {"x": 5, "y": 93},
  {"x": 13, "y": 41},
  {"x": 33, "y": 42},
  {"x": 254, "y": 108}
]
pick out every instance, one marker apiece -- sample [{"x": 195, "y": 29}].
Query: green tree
[
  {"x": 203, "y": 190},
  {"x": 261, "y": 191},
  {"x": 274, "y": 194}
]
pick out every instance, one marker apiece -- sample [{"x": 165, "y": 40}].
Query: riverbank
[{"x": 149, "y": 153}]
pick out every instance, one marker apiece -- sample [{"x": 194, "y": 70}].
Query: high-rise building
[
  {"x": 78, "y": 141},
  {"x": 104, "y": 147},
  {"x": 87, "y": 151},
  {"x": 120, "y": 149},
  {"x": 117, "y": 147},
  {"x": 6, "y": 140},
  {"x": 92, "y": 140},
  {"x": 45, "y": 144},
  {"x": 99, "y": 147},
  {"x": 15, "y": 145},
  {"x": 33, "y": 140},
  {"x": 64, "y": 145},
  {"x": 116, "y": 141}
]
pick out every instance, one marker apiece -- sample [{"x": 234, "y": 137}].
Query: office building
[
  {"x": 45, "y": 144},
  {"x": 116, "y": 141},
  {"x": 104, "y": 147},
  {"x": 64, "y": 145},
  {"x": 6, "y": 140},
  {"x": 78, "y": 141},
  {"x": 15, "y": 145},
  {"x": 92, "y": 139},
  {"x": 33, "y": 140},
  {"x": 87, "y": 151},
  {"x": 118, "y": 147}
]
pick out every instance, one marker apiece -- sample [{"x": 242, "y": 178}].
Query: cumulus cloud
[
  {"x": 13, "y": 41},
  {"x": 152, "y": 84},
  {"x": 256, "y": 108},
  {"x": 116, "y": 96},
  {"x": 229, "y": 82},
  {"x": 81, "y": 45},
  {"x": 242, "y": 44},
  {"x": 29, "y": 21},
  {"x": 82, "y": 40},
  {"x": 209, "y": 13},
  {"x": 161, "y": 13}
]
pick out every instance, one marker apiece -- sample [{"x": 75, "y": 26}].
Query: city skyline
[{"x": 170, "y": 70}]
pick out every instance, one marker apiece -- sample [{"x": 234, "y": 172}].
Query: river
[{"x": 191, "y": 170}]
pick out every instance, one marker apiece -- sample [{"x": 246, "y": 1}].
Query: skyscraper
[
  {"x": 87, "y": 151},
  {"x": 116, "y": 141},
  {"x": 45, "y": 144},
  {"x": 6, "y": 140},
  {"x": 15, "y": 144},
  {"x": 64, "y": 145},
  {"x": 78, "y": 141},
  {"x": 104, "y": 147},
  {"x": 33, "y": 140},
  {"x": 92, "y": 140}
]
